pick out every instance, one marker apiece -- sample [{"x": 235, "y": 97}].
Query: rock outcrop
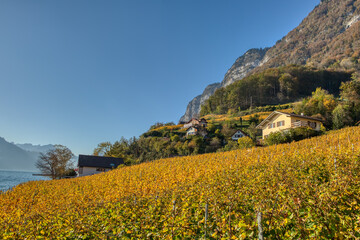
[
  {"x": 194, "y": 106},
  {"x": 243, "y": 65}
]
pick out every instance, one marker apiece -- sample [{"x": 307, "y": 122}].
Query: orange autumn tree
[{"x": 320, "y": 104}]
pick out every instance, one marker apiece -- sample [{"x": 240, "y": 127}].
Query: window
[
  {"x": 281, "y": 123},
  {"x": 271, "y": 125},
  {"x": 312, "y": 125},
  {"x": 100, "y": 169}
]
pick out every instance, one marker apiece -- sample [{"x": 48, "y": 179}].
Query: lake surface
[{"x": 9, "y": 179}]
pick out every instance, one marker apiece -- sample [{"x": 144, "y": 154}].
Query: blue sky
[{"x": 82, "y": 72}]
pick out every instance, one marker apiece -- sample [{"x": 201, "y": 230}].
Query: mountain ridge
[
  {"x": 13, "y": 157},
  {"x": 20, "y": 156},
  {"x": 328, "y": 37}
]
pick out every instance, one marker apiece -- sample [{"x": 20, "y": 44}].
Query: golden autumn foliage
[
  {"x": 169, "y": 128},
  {"x": 305, "y": 190},
  {"x": 224, "y": 117}
]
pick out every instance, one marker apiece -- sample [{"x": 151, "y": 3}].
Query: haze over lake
[{"x": 9, "y": 179}]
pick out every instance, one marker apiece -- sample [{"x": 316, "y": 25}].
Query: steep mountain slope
[
  {"x": 329, "y": 37},
  {"x": 238, "y": 70},
  {"x": 244, "y": 64},
  {"x": 13, "y": 157},
  {"x": 330, "y": 33},
  {"x": 20, "y": 156}
]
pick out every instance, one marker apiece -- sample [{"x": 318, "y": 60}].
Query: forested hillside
[
  {"x": 327, "y": 37},
  {"x": 274, "y": 86}
]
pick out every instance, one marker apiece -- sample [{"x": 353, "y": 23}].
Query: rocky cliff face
[
  {"x": 193, "y": 108},
  {"x": 243, "y": 65}
]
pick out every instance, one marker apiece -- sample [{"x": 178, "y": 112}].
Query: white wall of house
[
  {"x": 86, "y": 171},
  {"x": 191, "y": 131},
  {"x": 237, "y": 135}
]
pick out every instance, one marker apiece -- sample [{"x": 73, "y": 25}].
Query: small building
[
  {"x": 196, "y": 130},
  {"x": 195, "y": 122},
  {"x": 279, "y": 121},
  {"x": 238, "y": 134},
  {"x": 90, "y": 165}
]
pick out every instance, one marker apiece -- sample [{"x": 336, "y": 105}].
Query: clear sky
[{"x": 82, "y": 72}]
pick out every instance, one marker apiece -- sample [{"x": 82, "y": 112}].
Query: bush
[
  {"x": 294, "y": 134},
  {"x": 277, "y": 138},
  {"x": 231, "y": 145},
  {"x": 298, "y": 134},
  {"x": 245, "y": 142}
]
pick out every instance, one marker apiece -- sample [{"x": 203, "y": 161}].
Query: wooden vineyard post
[
  {"x": 206, "y": 218},
  {"x": 230, "y": 222},
  {"x": 261, "y": 231},
  {"x": 174, "y": 213}
]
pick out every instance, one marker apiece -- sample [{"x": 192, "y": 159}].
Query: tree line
[{"x": 273, "y": 86}]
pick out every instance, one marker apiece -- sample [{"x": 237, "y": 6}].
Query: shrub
[
  {"x": 297, "y": 134},
  {"x": 277, "y": 138},
  {"x": 294, "y": 134},
  {"x": 245, "y": 142}
]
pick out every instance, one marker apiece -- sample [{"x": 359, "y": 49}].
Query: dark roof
[
  {"x": 244, "y": 133},
  {"x": 99, "y": 161},
  {"x": 306, "y": 117},
  {"x": 196, "y": 119}
]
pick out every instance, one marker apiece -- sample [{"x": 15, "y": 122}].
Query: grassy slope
[
  {"x": 226, "y": 117},
  {"x": 307, "y": 189}
]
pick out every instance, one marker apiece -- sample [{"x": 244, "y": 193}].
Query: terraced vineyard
[{"x": 309, "y": 189}]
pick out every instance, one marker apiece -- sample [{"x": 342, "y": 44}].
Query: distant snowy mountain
[{"x": 35, "y": 148}]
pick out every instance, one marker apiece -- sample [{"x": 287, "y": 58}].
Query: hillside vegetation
[
  {"x": 273, "y": 86},
  {"x": 307, "y": 189}
]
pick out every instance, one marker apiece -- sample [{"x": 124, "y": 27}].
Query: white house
[
  {"x": 238, "y": 134},
  {"x": 192, "y": 131},
  {"x": 90, "y": 165}
]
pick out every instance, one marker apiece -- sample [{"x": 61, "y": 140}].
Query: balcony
[{"x": 303, "y": 124}]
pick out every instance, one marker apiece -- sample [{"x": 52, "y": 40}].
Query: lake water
[{"x": 9, "y": 179}]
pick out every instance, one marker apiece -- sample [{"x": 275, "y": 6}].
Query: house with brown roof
[
  {"x": 195, "y": 122},
  {"x": 280, "y": 121}
]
